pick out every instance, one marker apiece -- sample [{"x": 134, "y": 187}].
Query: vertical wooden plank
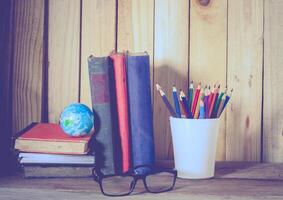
[
  {"x": 273, "y": 73},
  {"x": 63, "y": 52},
  {"x": 6, "y": 17},
  {"x": 208, "y": 41},
  {"x": 135, "y": 27},
  {"x": 170, "y": 65},
  {"x": 245, "y": 55},
  {"x": 27, "y": 62},
  {"x": 98, "y": 37}
]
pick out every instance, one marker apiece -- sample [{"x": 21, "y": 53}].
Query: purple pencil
[{"x": 206, "y": 104}]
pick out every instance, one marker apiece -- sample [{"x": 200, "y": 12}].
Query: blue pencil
[
  {"x": 226, "y": 101},
  {"x": 185, "y": 104},
  {"x": 201, "y": 110},
  {"x": 190, "y": 94},
  {"x": 176, "y": 102},
  {"x": 165, "y": 100}
]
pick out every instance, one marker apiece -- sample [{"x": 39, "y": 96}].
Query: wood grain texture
[
  {"x": 245, "y": 52},
  {"x": 170, "y": 65},
  {"x": 27, "y": 62},
  {"x": 273, "y": 73},
  {"x": 239, "y": 181},
  {"x": 98, "y": 37},
  {"x": 135, "y": 27},
  {"x": 208, "y": 33},
  {"x": 63, "y": 52}
]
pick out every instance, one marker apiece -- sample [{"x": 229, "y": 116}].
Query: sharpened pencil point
[
  {"x": 158, "y": 87},
  {"x": 174, "y": 88}
]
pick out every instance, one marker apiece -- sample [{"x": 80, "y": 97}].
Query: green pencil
[
  {"x": 190, "y": 94},
  {"x": 214, "y": 113}
]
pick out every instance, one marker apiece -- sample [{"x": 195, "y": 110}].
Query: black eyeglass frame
[{"x": 98, "y": 176}]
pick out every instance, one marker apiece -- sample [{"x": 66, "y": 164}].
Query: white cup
[{"x": 194, "y": 145}]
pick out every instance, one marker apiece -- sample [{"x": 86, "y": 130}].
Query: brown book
[{"x": 50, "y": 138}]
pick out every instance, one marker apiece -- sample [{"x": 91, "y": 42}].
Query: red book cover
[
  {"x": 50, "y": 132},
  {"x": 50, "y": 138},
  {"x": 122, "y": 107}
]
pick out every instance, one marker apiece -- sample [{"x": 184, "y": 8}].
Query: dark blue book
[{"x": 140, "y": 109}]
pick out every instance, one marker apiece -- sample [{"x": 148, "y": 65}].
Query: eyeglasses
[{"x": 154, "y": 180}]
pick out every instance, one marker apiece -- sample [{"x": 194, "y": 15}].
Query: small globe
[{"x": 76, "y": 120}]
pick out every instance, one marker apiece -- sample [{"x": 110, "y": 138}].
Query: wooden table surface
[{"x": 233, "y": 180}]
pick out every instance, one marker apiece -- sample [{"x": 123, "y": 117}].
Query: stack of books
[{"x": 46, "y": 151}]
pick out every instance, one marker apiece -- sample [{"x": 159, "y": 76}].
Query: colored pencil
[
  {"x": 211, "y": 94},
  {"x": 185, "y": 111},
  {"x": 201, "y": 96},
  {"x": 201, "y": 110},
  {"x": 226, "y": 100},
  {"x": 221, "y": 105},
  {"x": 176, "y": 102},
  {"x": 191, "y": 94},
  {"x": 165, "y": 100},
  {"x": 206, "y": 104},
  {"x": 213, "y": 101},
  {"x": 195, "y": 101},
  {"x": 185, "y": 105},
  {"x": 218, "y": 100}
]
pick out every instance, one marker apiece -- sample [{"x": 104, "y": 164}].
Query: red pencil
[{"x": 196, "y": 96}]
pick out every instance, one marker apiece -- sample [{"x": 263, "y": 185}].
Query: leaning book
[{"x": 50, "y": 138}]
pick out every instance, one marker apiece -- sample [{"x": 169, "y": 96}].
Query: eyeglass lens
[
  {"x": 160, "y": 182},
  {"x": 117, "y": 185}
]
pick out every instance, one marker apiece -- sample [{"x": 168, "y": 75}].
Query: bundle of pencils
[{"x": 203, "y": 103}]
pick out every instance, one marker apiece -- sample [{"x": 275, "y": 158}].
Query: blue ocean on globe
[{"x": 76, "y": 120}]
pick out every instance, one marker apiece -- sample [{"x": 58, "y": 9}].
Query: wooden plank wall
[
  {"x": 234, "y": 42},
  {"x": 27, "y": 62},
  {"x": 170, "y": 64},
  {"x": 273, "y": 73},
  {"x": 244, "y": 75},
  {"x": 208, "y": 26}
]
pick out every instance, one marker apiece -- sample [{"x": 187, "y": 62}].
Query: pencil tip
[{"x": 158, "y": 87}]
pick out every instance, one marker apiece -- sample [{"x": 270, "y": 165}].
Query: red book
[
  {"x": 122, "y": 107},
  {"x": 50, "y": 138}
]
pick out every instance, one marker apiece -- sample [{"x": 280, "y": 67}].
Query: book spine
[
  {"x": 141, "y": 119},
  {"x": 56, "y": 171},
  {"x": 100, "y": 84},
  {"x": 122, "y": 107}
]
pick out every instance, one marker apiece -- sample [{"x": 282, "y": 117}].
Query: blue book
[{"x": 140, "y": 110}]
